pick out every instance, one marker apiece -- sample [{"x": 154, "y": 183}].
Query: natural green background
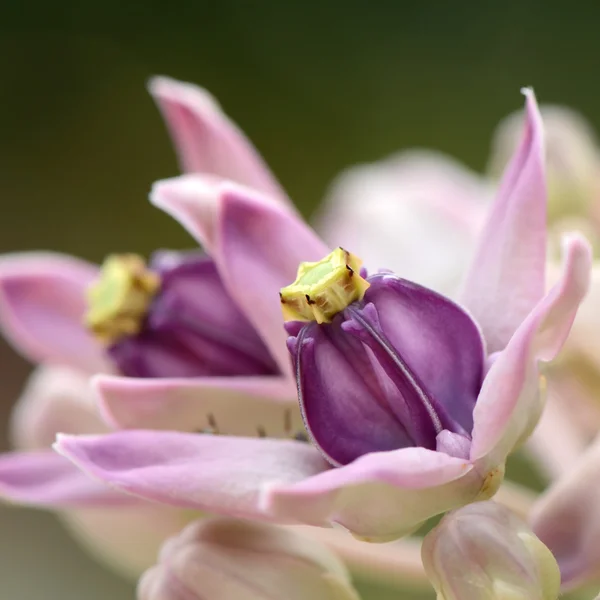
[{"x": 317, "y": 86}]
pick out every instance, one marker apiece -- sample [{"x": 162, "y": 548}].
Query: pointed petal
[
  {"x": 55, "y": 399},
  {"x": 218, "y": 474},
  {"x": 42, "y": 304},
  {"x": 256, "y": 245},
  {"x": 380, "y": 496},
  {"x": 417, "y": 213},
  {"x": 192, "y": 200},
  {"x": 567, "y": 520},
  {"x": 507, "y": 277},
  {"x": 206, "y": 140},
  {"x": 46, "y": 479},
  {"x": 509, "y": 404},
  {"x": 260, "y": 248},
  {"x": 245, "y": 406}
]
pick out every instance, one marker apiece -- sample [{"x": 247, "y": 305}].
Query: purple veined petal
[
  {"x": 45, "y": 479},
  {"x": 380, "y": 496},
  {"x": 244, "y": 406},
  {"x": 42, "y": 304},
  {"x": 417, "y": 213},
  {"x": 510, "y": 405},
  {"x": 440, "y": 342},
  {"x": 347, "y": 412},
  {"x": 56, "y": 399},
  {"x": 217, "y": 474},
  {"x": 507, "y": 277},
  {"x": 260, "y": 246},
  {"x": 567, "y": 520},
  {"x": 207, "y": 141}
]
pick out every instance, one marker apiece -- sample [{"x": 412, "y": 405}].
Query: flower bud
[
  {"x": 385, "y": 364},
  {"x": 173, "y": 318},
  {"x": 484, "y": 552},
  {"x": 226, "y": 559}
]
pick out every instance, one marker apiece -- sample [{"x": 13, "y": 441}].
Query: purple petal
[
  {"x": 507, "y": 277},
  {"x": 42, "y": 304},
  {"x": 46, "y": 479},
  {"x": 438, "y": 340},
  {"x": 206, "y": 140},
  {"x": 218, "y": 474},
  {"x": 510, "y": 405},
  {"x": 380, "y": 496},
  {"x": 245, "y": 406}
]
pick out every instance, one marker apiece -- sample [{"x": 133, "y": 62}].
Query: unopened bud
[
  {"x": 485, "y": 552},
  {"x": 226, "y": 559}
]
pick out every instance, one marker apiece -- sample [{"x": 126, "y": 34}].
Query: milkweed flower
[
  {"x": 484, "y": 552},
  {"x": 403, "y": 210},
  {"x": 225, "y": 559},
  {"x": 439, "y": 446}
]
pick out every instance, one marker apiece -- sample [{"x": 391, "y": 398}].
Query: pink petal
[
  {"x": 207, "y": 141},
  {"x": 260, "y": 248},
  {"x": 46, "y": 479},
  {"x": 256, "y": 244},
  {"x": 56, "y": 399},
  {"x": 380, "y": 496},
  {"x": 218, "y": 474},
  {"x": 557, "y": 442},
  {"x": 42, "y": 303},
  {"x": 507, "y": 277},
  {"x": 509, "y": 404},
  {"x": 245, "y": 406},
  {"x": 417, "y": 213},
  {"x": 567, "y": 520}
]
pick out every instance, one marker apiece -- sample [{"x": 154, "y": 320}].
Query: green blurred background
[{"x": 316, "y": 86}]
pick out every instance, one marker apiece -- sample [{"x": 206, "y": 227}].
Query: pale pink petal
[
  {"x": 507, "y": 277},
  {"x": 557, "y": 442},
  {"x": 46, "y": 479},
  {"x": 192, "y": 200},
  {"x": 42, "y": 304},
  {"x": 207, "y": 141},
  {"x": 218, "y": 474},
  {"x": 126, "y": 538},
  {"x": 417, "y": 213},
  {"x": 380, "y": 496},
  {"x": 244, "y": 406},
  {"x": 567, "y": 520},
  {"x": 56, "y": 399},
  {"x": 260, "y": 248},
  {"x": 510, "y": 402},
  {"x": 256, "y": 244}
]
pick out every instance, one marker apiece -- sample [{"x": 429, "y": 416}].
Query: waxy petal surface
[
  {"x": 245, "y": 406},
  {"x": 207, "y": 141},
  {"x": 42, "y": 304},
  {"x": 46, "y": 479},
  {"x": 380, "y": 496},
  {"x": 510, "y": 402},
  {"x": 567, "y": 520},
  {"x": 217, "y": 474},
  {"x": 507, "y": 277}
]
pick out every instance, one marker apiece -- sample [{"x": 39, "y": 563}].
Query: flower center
[
  {"x": 324, "y": 288},
  {"x": 119, "y": 300}
]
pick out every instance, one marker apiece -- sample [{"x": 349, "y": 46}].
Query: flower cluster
[{"x": 272, "y": 386}]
